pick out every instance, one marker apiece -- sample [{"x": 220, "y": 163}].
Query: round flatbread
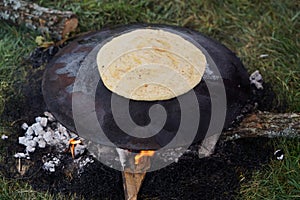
[{"x": 147, "y": 65}]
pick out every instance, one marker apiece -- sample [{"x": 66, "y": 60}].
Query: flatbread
[{"x": 148, "y": 65}]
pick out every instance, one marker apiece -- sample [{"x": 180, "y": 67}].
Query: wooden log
[
  {"x": 133, "y": 177},
  {"x": 132, "y": 183},
  {"x": 266, "y": 124},
  {"x": 259, "y": 124},
  {"x": 58, "y": 24}
]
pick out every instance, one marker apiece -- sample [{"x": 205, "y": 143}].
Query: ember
[
  {"x": 138, "y": 157},
  {"x": 73, "y": 142}
]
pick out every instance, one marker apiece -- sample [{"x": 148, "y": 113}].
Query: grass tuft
[
  {"x": 12, "y": 190},
  {"x": 15, "y": 45},
  {"x": 280, "y": 179}
]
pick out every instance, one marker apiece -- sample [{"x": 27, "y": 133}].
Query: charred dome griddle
[
  {"x": 221, "y": 69},
  {"x": 133, "y": 89}
]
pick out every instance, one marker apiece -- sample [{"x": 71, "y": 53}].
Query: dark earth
[{"x": 215, "y": 177}]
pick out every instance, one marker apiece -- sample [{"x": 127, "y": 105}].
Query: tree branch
[
  {"x": 58, "y": 24},
  {"x": 265, "y": 124}
]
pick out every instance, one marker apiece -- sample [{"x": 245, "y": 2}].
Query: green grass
[
  {"x": 15, "y": 45},
  {"x": 13, "y": 190},
  {"x": 279, "y": 180},
  {"x": 249, "y": 28}
]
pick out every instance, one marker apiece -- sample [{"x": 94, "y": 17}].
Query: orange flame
[
  {"x": 143, "y": 153},
  {"x": 73, "y": 142}
]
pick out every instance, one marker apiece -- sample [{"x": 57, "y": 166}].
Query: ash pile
[{"x": 47, "y": 132}]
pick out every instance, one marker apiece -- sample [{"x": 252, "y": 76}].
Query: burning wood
[
  {"x": 47, "y": 131},
  {"x": 73, "y": 142},
  {"x": 138, "y": 157},
  {"x": 134, "y": 174}
]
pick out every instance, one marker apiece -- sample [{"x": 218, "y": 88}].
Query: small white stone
[
  {"x": 41, "y": 133},
  {"x": 29, "y": 137},
  {"x": 256, "y": 79},
  {"x": 54, "y": 142},
  {"x": 73, "y": 135},
  {"x": 48, "y": 136},
  {"x": 40, "y": 136},
  {"x": 38, "y": 119},
  {"x": 4, "y": 137},
  {"x": 36, "y": 127},
  {"x": 56, "y": 134},
  {"x": 42, "y": 143},
  {"x": 62, "y": 138},
  {"x": 23, "y": 140},
  {"x": 30, "y": 149},
  {"x": 79, "y": 149},
  {"x": 31, "y": 143},
  {"x": 29, "y": 131},
  {"x": 49, "y": 166},
  {"x": 61, "y": 128},
  {"x": 44, "y": 121},
  {"x": 83, "y": 163},
  {"x": 24, "y": 126},
  {"x": 56, "y": 161},
  {"x": 49, "y": 116}
]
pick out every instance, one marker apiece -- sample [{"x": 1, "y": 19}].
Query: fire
[
  {"x": 73, "y": 142},
  {"x": 143, "y": 153}
]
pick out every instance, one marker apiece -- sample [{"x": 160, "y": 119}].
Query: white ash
[
  {"x": 37, "y": 127},
  {"x": 171, "y": 154},
  {"x": 29, "y": 132},
  {"x": 40, "y": 134},
  {"x": 43, "y": 121},
  {"x": 4, "y": 137},
  {"x": 38, "y": 119},
  {"x": 256, "y": 79},
  {"x": 233, "y": 137},
  {"x": 50, "y": 164},
  {"x": 24, "y": 126},
  {"x": 49, "y": 116},
  {"x": 83, "y": 161}
]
